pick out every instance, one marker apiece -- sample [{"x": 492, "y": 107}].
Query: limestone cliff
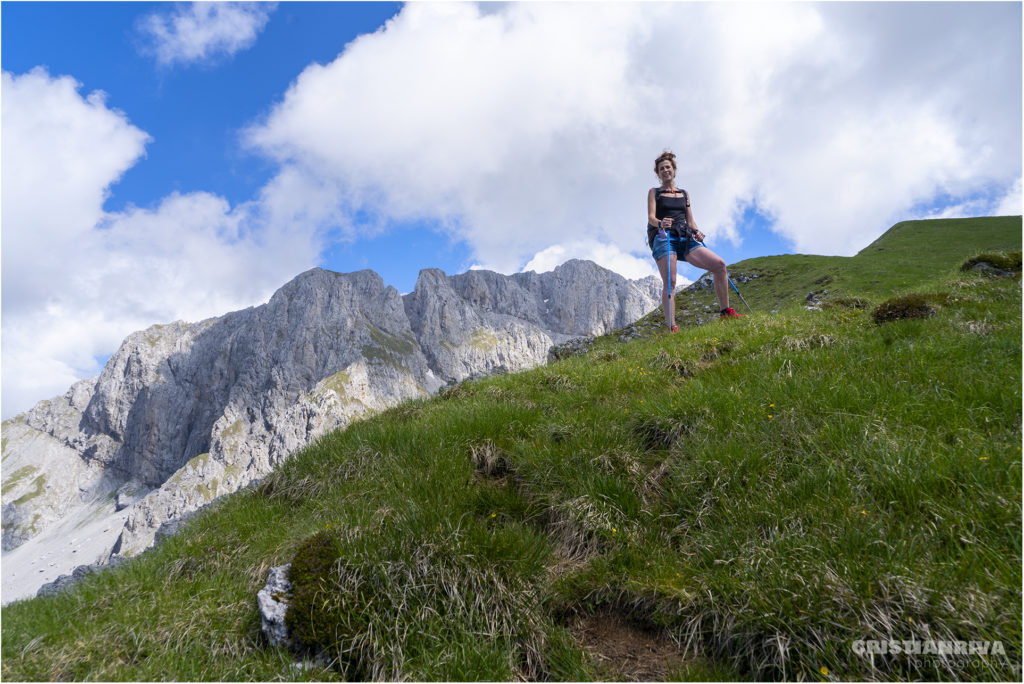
[{"x": 187, "y": 412}]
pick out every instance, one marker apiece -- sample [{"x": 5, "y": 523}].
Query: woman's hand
[
  {"x": 665, "y": 223},
  {"x": 697, "y": 235}
]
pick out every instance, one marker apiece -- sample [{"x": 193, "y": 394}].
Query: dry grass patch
[{"x": 490, "y": 461}]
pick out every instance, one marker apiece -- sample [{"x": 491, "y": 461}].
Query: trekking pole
[
  {"x": 741, "y": 296},
  {"x": 729, "y": 278},
  {"x": 668, "y": 262}
]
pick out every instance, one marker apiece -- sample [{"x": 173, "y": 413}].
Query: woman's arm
[
  {"x": 652, "y": 210},
  {"x": 699, "y": 236}
]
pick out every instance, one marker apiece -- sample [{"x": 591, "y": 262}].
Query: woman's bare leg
[
  {"x": 668, "y": 301},
  {"x": 705, "y": 259}
]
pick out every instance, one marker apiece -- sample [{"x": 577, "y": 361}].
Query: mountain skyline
[
  {"x": 174, "y": 161},
  {"x": 185, "y": 413}
]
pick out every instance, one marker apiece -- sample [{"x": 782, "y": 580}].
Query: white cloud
[
  {"x": 60, "y": 154},
  {"x": 1010, "y": 204},
  {"x": 533, "y": 125},
  {"x": 77, "y": 280},
  {"x": 528, "y": 130},
  {"x": 491, "y": 121},
  {"x": 608, "y": 256},
  {"x": 199, "y": 31}
]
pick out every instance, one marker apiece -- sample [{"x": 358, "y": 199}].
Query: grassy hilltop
[{"x": 741, "y": 500}]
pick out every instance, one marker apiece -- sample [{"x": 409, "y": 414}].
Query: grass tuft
[
  {"x": 858, "y": 303},
  {"x": 383, "y": 605},
  {"x": 490, "y": 461},
  {"x": 657, "y": 433}
]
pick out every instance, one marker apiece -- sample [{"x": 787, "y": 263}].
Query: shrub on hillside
[
  {"x": 906, "y": 306},
  {"x": 997, "y": 262}
]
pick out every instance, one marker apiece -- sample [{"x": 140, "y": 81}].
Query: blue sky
[
  {"x": 167, "y": 161},
  {"x": 193, "y": 113}
]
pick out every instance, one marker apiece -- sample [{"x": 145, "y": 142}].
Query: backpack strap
[{"x": 658, "y": 192}]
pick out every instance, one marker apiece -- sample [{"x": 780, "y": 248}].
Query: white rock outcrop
[
  {"x": 187, "y": 412},
  {"x": 272, "y": 601}
]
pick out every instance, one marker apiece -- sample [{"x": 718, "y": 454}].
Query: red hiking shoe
[
  {"x": 730, "y": 313},
  {"x": 675, "y": 328}
]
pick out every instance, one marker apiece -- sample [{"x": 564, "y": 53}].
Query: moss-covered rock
[
  {"x": 336, "y": 383},
  {"x": 483, "y": 340},
  {"x": 310, "y": 625},
  {"x": 994, "y": 262}
]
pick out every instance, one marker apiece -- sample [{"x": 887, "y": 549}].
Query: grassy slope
[
  {"x": 909, "y": 255},
  {"x": 765, "y": 490}
]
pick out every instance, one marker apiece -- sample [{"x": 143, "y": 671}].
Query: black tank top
[{"x": 673, "y": 208}]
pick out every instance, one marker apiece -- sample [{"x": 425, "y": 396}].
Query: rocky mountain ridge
[{"x": 187, "y": 412}]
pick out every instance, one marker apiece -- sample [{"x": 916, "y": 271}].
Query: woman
[{"x": 668, "y": 213}]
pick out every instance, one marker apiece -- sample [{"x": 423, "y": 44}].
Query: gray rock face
[
  {"x": 45, "y": 472},
  {"x": 273, "y": 600},
  {"x": 187, "y": 412},
  {"x": 65, "y": 582}
]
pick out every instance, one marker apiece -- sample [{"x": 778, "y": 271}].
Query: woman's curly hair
[{"x": 662, "y": 157}]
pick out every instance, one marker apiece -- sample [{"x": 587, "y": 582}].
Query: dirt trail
[{"x": 626, "y": 651}]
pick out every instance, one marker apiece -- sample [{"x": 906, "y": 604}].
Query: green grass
[
  {"x": 912, "y": 254},
  {"x": 764, "y": 491}
]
